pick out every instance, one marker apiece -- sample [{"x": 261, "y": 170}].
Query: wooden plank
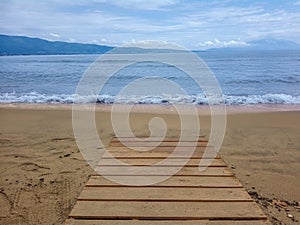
[
  {"x": 174, "y": 181},
  {"x": 145, "y": 136},
  {"x": 171, "y": 162},
  {"x": 165, "y": 144},
  {"x": 169, "y": 222},
  {"x": 164, "y": 194},
  {"x": 213, "y": 196},
  {"x": 161, "y": 148},
  {"x": 160, "y": 171},
  {"x": 154, "y": 139},
  {"x": 166, "y": 210},
  {"x": 243, "y": 222},
  {"x": 190, "y": 171},
  {"x": 154, "y": 154}
]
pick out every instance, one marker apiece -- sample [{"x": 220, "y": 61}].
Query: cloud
[
  {"x": 140, "y": 4},
  {"x": 221, "y": 44},
  {"x": 184, "y": 22},
  {"x": 152, "y": 44},
  {"x": 160, "y": 5},
  {"x": 242, "y": 22},
  {"x": 104, "y": 41},
  {"x": 54, "y": 35}
]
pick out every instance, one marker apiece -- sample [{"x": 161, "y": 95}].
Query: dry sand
[{"x": 42, "y": 170}]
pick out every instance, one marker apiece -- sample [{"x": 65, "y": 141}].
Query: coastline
[
  {"x": 42, "y": 170},
  {"x": 162, "y": 108}
]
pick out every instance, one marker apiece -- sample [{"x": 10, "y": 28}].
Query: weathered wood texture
[{"x": 211, "y": 196}]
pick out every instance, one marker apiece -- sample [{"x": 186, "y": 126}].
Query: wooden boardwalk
[{"x": 213, "y": 197}]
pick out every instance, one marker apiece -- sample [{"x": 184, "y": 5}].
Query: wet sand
[{"x": 42, "y": 170}]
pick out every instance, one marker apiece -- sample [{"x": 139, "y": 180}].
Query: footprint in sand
[
  {"x": 4, "y": 141},
  {"x": 63, "y": 139},
  {"x": 32, "y": 167},
  {"x": 5, "y": 205}
]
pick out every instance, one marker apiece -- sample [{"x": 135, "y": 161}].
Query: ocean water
[{"x": 265, "y": 77}]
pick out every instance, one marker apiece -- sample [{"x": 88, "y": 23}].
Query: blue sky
[{"x": 194, "y": 24}]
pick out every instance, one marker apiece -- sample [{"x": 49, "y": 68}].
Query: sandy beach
[{"x": 42, "y": 170}]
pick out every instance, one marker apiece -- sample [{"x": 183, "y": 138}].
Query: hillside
[{"x": 20, "y": 45}]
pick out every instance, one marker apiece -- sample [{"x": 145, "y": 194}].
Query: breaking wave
[{"x": 34, "y": 97}]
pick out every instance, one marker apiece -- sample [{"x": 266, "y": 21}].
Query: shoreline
[
  {"x": 42, "y": 170},
  {"x": 161, "y": 108}
]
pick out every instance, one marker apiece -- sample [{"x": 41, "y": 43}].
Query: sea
[{"x": 245, "y": 77}]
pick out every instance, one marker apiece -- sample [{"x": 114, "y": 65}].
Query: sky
[{"x": 195, "y": 24}]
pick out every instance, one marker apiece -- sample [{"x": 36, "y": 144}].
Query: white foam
[{"x": 34, "y": 97}]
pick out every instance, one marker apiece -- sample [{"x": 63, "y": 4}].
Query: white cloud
[
  {"x": 152, "y": 44},
  {"x": 54, "y": 35},
  {"x": 221, "y": 44},
  {"x": 184, "y": 22},
  {"x": 104, "y": 41},
  {"x": 72, "y": 40},
  {"x": 160, "y": 5},
  {"x": 140, "y": 4}
]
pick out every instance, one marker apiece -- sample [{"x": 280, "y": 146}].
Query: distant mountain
[
  {"x": 274, "y": 44},
  {"x": 20, "y": 45},
  {"x": 263, "y": 44}
]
